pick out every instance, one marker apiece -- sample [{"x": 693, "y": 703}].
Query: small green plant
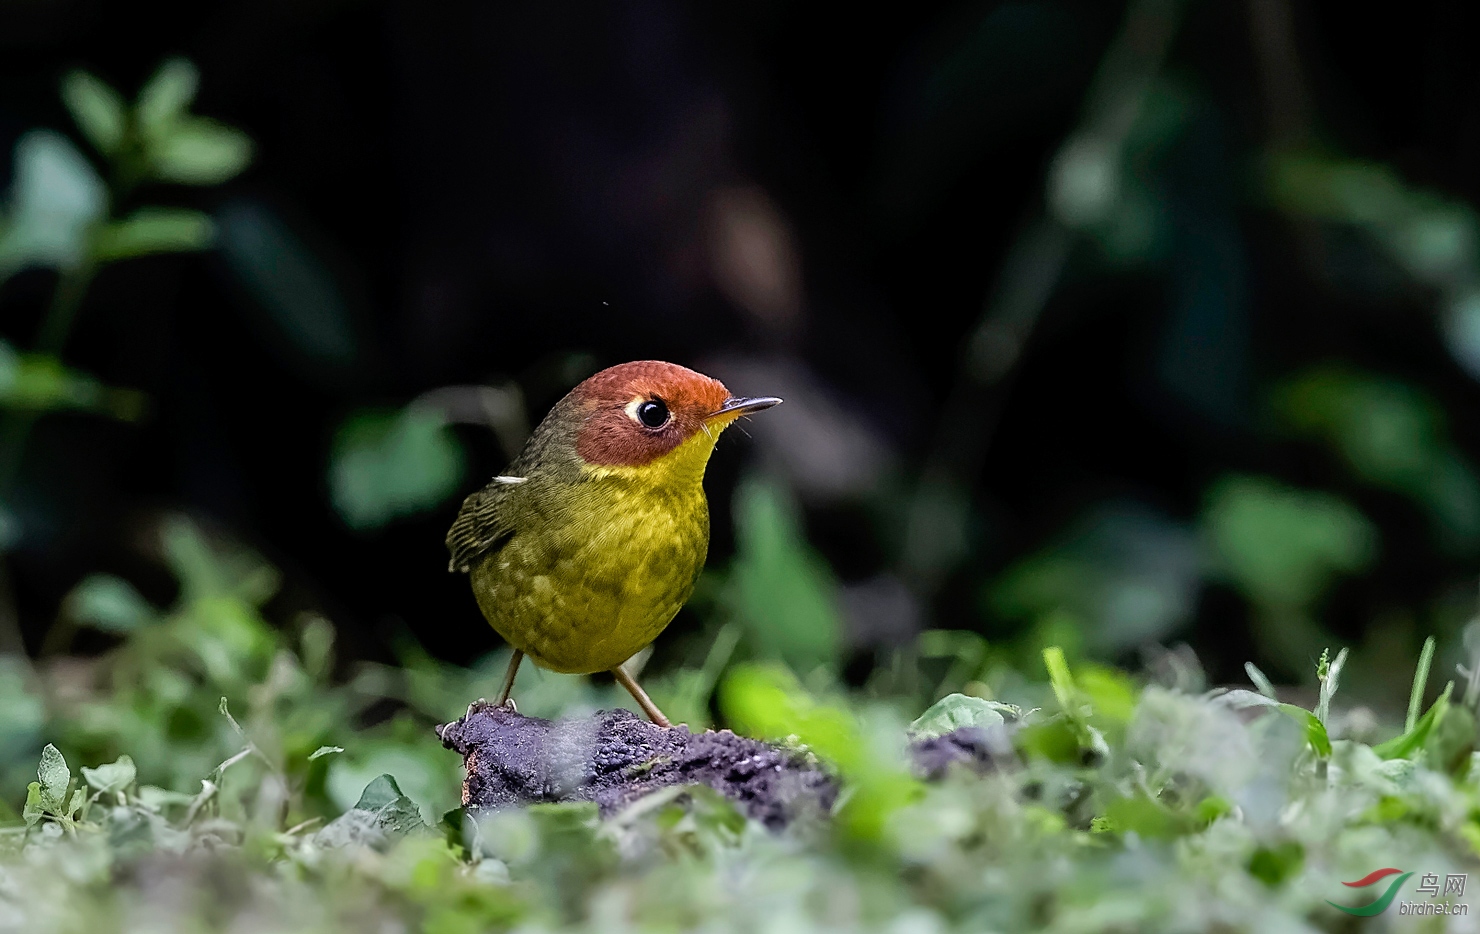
[
  {"x": 1138, "y": 805},
  {"x": 61, "y": 213}
]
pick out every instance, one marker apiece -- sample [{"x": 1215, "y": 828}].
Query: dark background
[{"x": 526, "y": 192}]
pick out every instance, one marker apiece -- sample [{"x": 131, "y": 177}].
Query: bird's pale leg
[
  {"x": 639, "y": 695},
  {"x": 503, "y": 695}
]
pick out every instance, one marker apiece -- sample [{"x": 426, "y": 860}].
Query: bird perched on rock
[{"x": 585, "y": 550}]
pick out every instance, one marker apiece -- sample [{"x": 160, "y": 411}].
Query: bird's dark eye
[{"x": 653, "y": 413}]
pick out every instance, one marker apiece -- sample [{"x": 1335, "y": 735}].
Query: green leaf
[
  {"x": 1403, "y": 747},
  {"x": 325, "y": 751},
  {"x": 381, "y": 791},
  {"x": 97, "y": 109},
  {"x": 390, "y": 465},
  {"x": 109, "y": 603},
  {"x": 167, "y": 95},
  {"x": 154, "y": 798},
  {"x": 55, "y": 777},
  {"x": 1240, "y": 699},
  {"x": 1148, "y": 817},
  {"x": 1284, "y": 546},
  {"x": 42, "y": 382},
  {"x": 55, "y": 199},
  {"x": 382, "y": 814},
  {"x": 1451, "y": 742},
  {"x": 1056, "y": 739},
  {"x": 1420, "y": 682},
  {"x": 779, "y": 588},
  {"x": 1111, "y": 694},
  {"x": 200, "y": 151},
  {"x": 208, "y": 569},
  {"x": 1260, "y": 681},
  {"x": 1393, "y": 436},
  {"x": 155, "y": 230},
  {"x": 113, "y": 777},
  {"x": 1330, "y": 679},
  {"x": 767, "y": 701},
  {"x": 34, "y": 808},
  {"x": 957, "y": 711},
  {"x": 1060, "y": 679},
  {"x": 79, "y": 800},
  {"x": 1211, "y": 808},
  {"x": 1315, "y": 730},
  {"x": 1274, "y": 865},
  {"x": 316, "y": 646}
]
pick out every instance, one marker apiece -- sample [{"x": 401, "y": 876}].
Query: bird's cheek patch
[{"x": 608, "y": 439}]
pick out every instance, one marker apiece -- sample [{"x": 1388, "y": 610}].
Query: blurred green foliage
[
  {"x": 1133, "y": 803},
  {"x": 224, "y": 757},
  {"x": 38, "y": 383},
  {"x": 961, "y": 711},
  {"x": 1392, "y": 436},
  {"x": 57, "y": 211},
  {"x": 387, "y": 465},
  {"x": 1281, "y": 545},
  {"x": 778, "y": 588},
  {"x": 1124, "y": 576}
]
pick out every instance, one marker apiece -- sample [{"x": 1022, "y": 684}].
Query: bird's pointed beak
[{"x": 736, "y": 406}]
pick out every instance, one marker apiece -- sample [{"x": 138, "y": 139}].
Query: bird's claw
[{"x": 483, "y": 703}]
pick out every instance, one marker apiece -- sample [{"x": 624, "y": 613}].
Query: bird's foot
[{"x": 484, "y": 703}]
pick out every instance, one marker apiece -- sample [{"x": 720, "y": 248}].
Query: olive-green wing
[{"x": 484, "y": 523}]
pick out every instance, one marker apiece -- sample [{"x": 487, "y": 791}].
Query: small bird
[{"x": 585, "y": 550}]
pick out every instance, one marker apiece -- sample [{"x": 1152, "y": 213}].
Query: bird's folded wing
[{"x": 484, "y": 524}]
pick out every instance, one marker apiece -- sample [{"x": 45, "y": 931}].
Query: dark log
[{"x": 614, "y": 758}]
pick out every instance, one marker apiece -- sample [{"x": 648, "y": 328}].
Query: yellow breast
[{"x": 599, "y": 574}]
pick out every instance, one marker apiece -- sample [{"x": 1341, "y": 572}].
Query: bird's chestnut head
[{"x": 635, "y": 413}]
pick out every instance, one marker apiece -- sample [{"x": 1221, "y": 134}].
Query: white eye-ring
[{"x": 648, "y": 411}]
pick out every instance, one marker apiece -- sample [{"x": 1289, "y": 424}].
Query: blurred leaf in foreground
[
  {"x": 112, "y": 777},
  {"x": 766, "y": 701},
  {"x": 959, "y": 711},
  {"x": 781, "y": 590}
]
